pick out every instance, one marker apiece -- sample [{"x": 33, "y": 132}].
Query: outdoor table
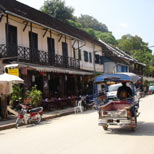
[{"x": 49, "y": 104}]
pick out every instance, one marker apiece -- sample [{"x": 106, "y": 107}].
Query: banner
[{"x": 13, "y": 71}]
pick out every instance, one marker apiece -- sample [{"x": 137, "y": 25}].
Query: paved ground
[
  {"x": 10, "y": 122},
  {"x": 80, "y": 134}
]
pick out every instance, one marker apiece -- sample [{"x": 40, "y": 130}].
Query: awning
[
  {"x": 60, "y": 70},
  {"x": 54, "y": 69}
]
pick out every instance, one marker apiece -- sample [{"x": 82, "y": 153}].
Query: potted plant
[
  {"x": 16, "y": 96},
  {"x": 33, "y": 97}
]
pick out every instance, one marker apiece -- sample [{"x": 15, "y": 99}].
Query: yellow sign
[{"x": 14, "y": 71}]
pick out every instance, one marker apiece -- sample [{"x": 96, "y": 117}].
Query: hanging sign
[{"x": 13, "y": 71}]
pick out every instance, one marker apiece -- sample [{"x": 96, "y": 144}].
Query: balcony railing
[{"x": 25, "y": 54}]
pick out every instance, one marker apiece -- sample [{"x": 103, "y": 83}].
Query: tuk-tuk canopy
[{"x": 118, "y": 77}]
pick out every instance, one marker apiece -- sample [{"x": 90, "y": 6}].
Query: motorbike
[{"x": 28, "y": 115}]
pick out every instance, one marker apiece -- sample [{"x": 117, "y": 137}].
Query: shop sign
[{"x": 13, "y": 71}]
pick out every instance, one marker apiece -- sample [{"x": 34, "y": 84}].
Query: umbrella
[
  {"x": 6, "y": 82},
  {"x": 10, "y": 78}
]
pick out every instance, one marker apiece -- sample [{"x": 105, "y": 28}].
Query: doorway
[{"x": 11, "y": 35}]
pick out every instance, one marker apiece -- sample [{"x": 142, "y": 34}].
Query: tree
[
  {"x": 128, "y": 43},
  {"x": 90, "y": 22},
  {"x": 107, "y": 38},
  {"x": 91, "y": 32},
  {"x": 134, "y": 46},
  {"x": 57, "y": 9},
  {"x": 75, "y": 24}
]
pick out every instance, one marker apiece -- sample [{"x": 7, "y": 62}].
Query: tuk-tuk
[{"x": 116, "y": 112}]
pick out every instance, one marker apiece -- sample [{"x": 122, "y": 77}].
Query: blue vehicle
[{"x": 122, "y": 113}]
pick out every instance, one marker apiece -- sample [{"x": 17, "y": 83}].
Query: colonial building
[
  {"x": 116, "y": 60},
  {"x": 51, "y": 54}
]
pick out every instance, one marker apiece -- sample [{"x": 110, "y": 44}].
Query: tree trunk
[{"x": 4, "y": 113}]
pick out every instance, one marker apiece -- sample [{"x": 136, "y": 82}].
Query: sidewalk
[{"x": 10, "y": 123}]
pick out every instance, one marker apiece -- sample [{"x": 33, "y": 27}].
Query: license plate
[{"x": 110, "y": 120}]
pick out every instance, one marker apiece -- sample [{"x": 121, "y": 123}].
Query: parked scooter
[
  {"x": 29, "y": 116},
  {"x": 87, "y": 104}
]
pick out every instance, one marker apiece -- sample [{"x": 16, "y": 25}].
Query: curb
[{"x": 13, "y": 125}]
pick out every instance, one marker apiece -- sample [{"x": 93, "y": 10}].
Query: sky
[{"x": 135, "y": 17}]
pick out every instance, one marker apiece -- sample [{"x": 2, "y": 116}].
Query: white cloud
[{"x": 124, "y": 25}]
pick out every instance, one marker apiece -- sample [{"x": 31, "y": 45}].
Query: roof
[
  {"x": 118, "y": 77},
  {"x": 121, "y": 55},
  {"x": 41, "y": 68},
  {"x": 112, "y": 53},
  {"x": 30, "y": 14},
  {"x": 21, "y": 10}
]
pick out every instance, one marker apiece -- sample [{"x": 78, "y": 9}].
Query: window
[
  {"x": 11, "y": 38},
  {"x": 64, "y": 49},
  {"x": 90, "y": 57},
  {"x": 33, "y": 40},
  {"x": 12, "y": 34},
  {"x": 51, "y": 45},
  {"x": 74, "y": 53},
  {"x": 79, "y": 52},
  {"x": 85, "y": 56},
  {"x": 97, "y": 59},
  {"x": 101, "y": 60}
]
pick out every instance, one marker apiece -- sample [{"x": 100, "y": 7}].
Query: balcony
[{"x": 24, "y": 54}]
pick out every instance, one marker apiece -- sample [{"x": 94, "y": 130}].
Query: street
[{"x": 80, "y": 134}]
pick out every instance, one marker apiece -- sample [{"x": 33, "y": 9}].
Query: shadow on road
[
  {"x": 2, "y": 134},
  {"x": 143, "y": 129},
  {"x": 88, "y": 111},
  {"x": 37, "y": 125}
]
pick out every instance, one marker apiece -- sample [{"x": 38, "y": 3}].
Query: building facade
[{"x": 51, "y": 54}]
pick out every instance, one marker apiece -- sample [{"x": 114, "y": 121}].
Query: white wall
[
  {"x": 23, "y": 37},
  {"x": 2, "y": 31},
  {"x": 109, "y": 67},
  {"x": 23, "y": 40},
  {"x": 98, "y": 50},
  {"x": 90, "y": 48}
]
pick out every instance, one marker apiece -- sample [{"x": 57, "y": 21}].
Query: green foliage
[
  {"x": 16, "y": 95},
  {"x": 128, "y": 43},
  {"x": 75, "y": 24},
  {"x": 33, "y": 97},
  {"x": 91, "y": 32},
  {"x": 107, "y": 38},
  {"x": 90, "y": 22},
  {"x": 134, "y": 46},
  {"x": 57, "y": 9}
]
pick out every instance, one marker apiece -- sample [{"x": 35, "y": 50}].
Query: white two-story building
[{"x": 51, "y": 54}]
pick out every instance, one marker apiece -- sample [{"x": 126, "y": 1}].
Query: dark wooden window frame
[
  {"x": 90, "y": 57},
  {"x": 79, "y": 54},
  {"x": 85, "y": 56}
]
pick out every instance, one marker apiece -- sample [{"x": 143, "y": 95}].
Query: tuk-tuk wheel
[
  {"x": 133, "y": 129},
  {"x": 105, "y": 127}
]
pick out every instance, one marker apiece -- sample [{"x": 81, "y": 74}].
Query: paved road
[{"x": 80, "y": 134}]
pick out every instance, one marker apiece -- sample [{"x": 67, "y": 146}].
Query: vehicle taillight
[
  {"x": 104, "y": 113},
  {"x": 128, "y": 113}
]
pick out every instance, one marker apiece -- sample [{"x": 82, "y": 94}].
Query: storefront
[{"x": 54, "y": 81}]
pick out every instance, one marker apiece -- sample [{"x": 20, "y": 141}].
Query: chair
[{"x": 79, "y": 107}]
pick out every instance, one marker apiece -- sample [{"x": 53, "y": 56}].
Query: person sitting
[{"x": 124, "y": 92}]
